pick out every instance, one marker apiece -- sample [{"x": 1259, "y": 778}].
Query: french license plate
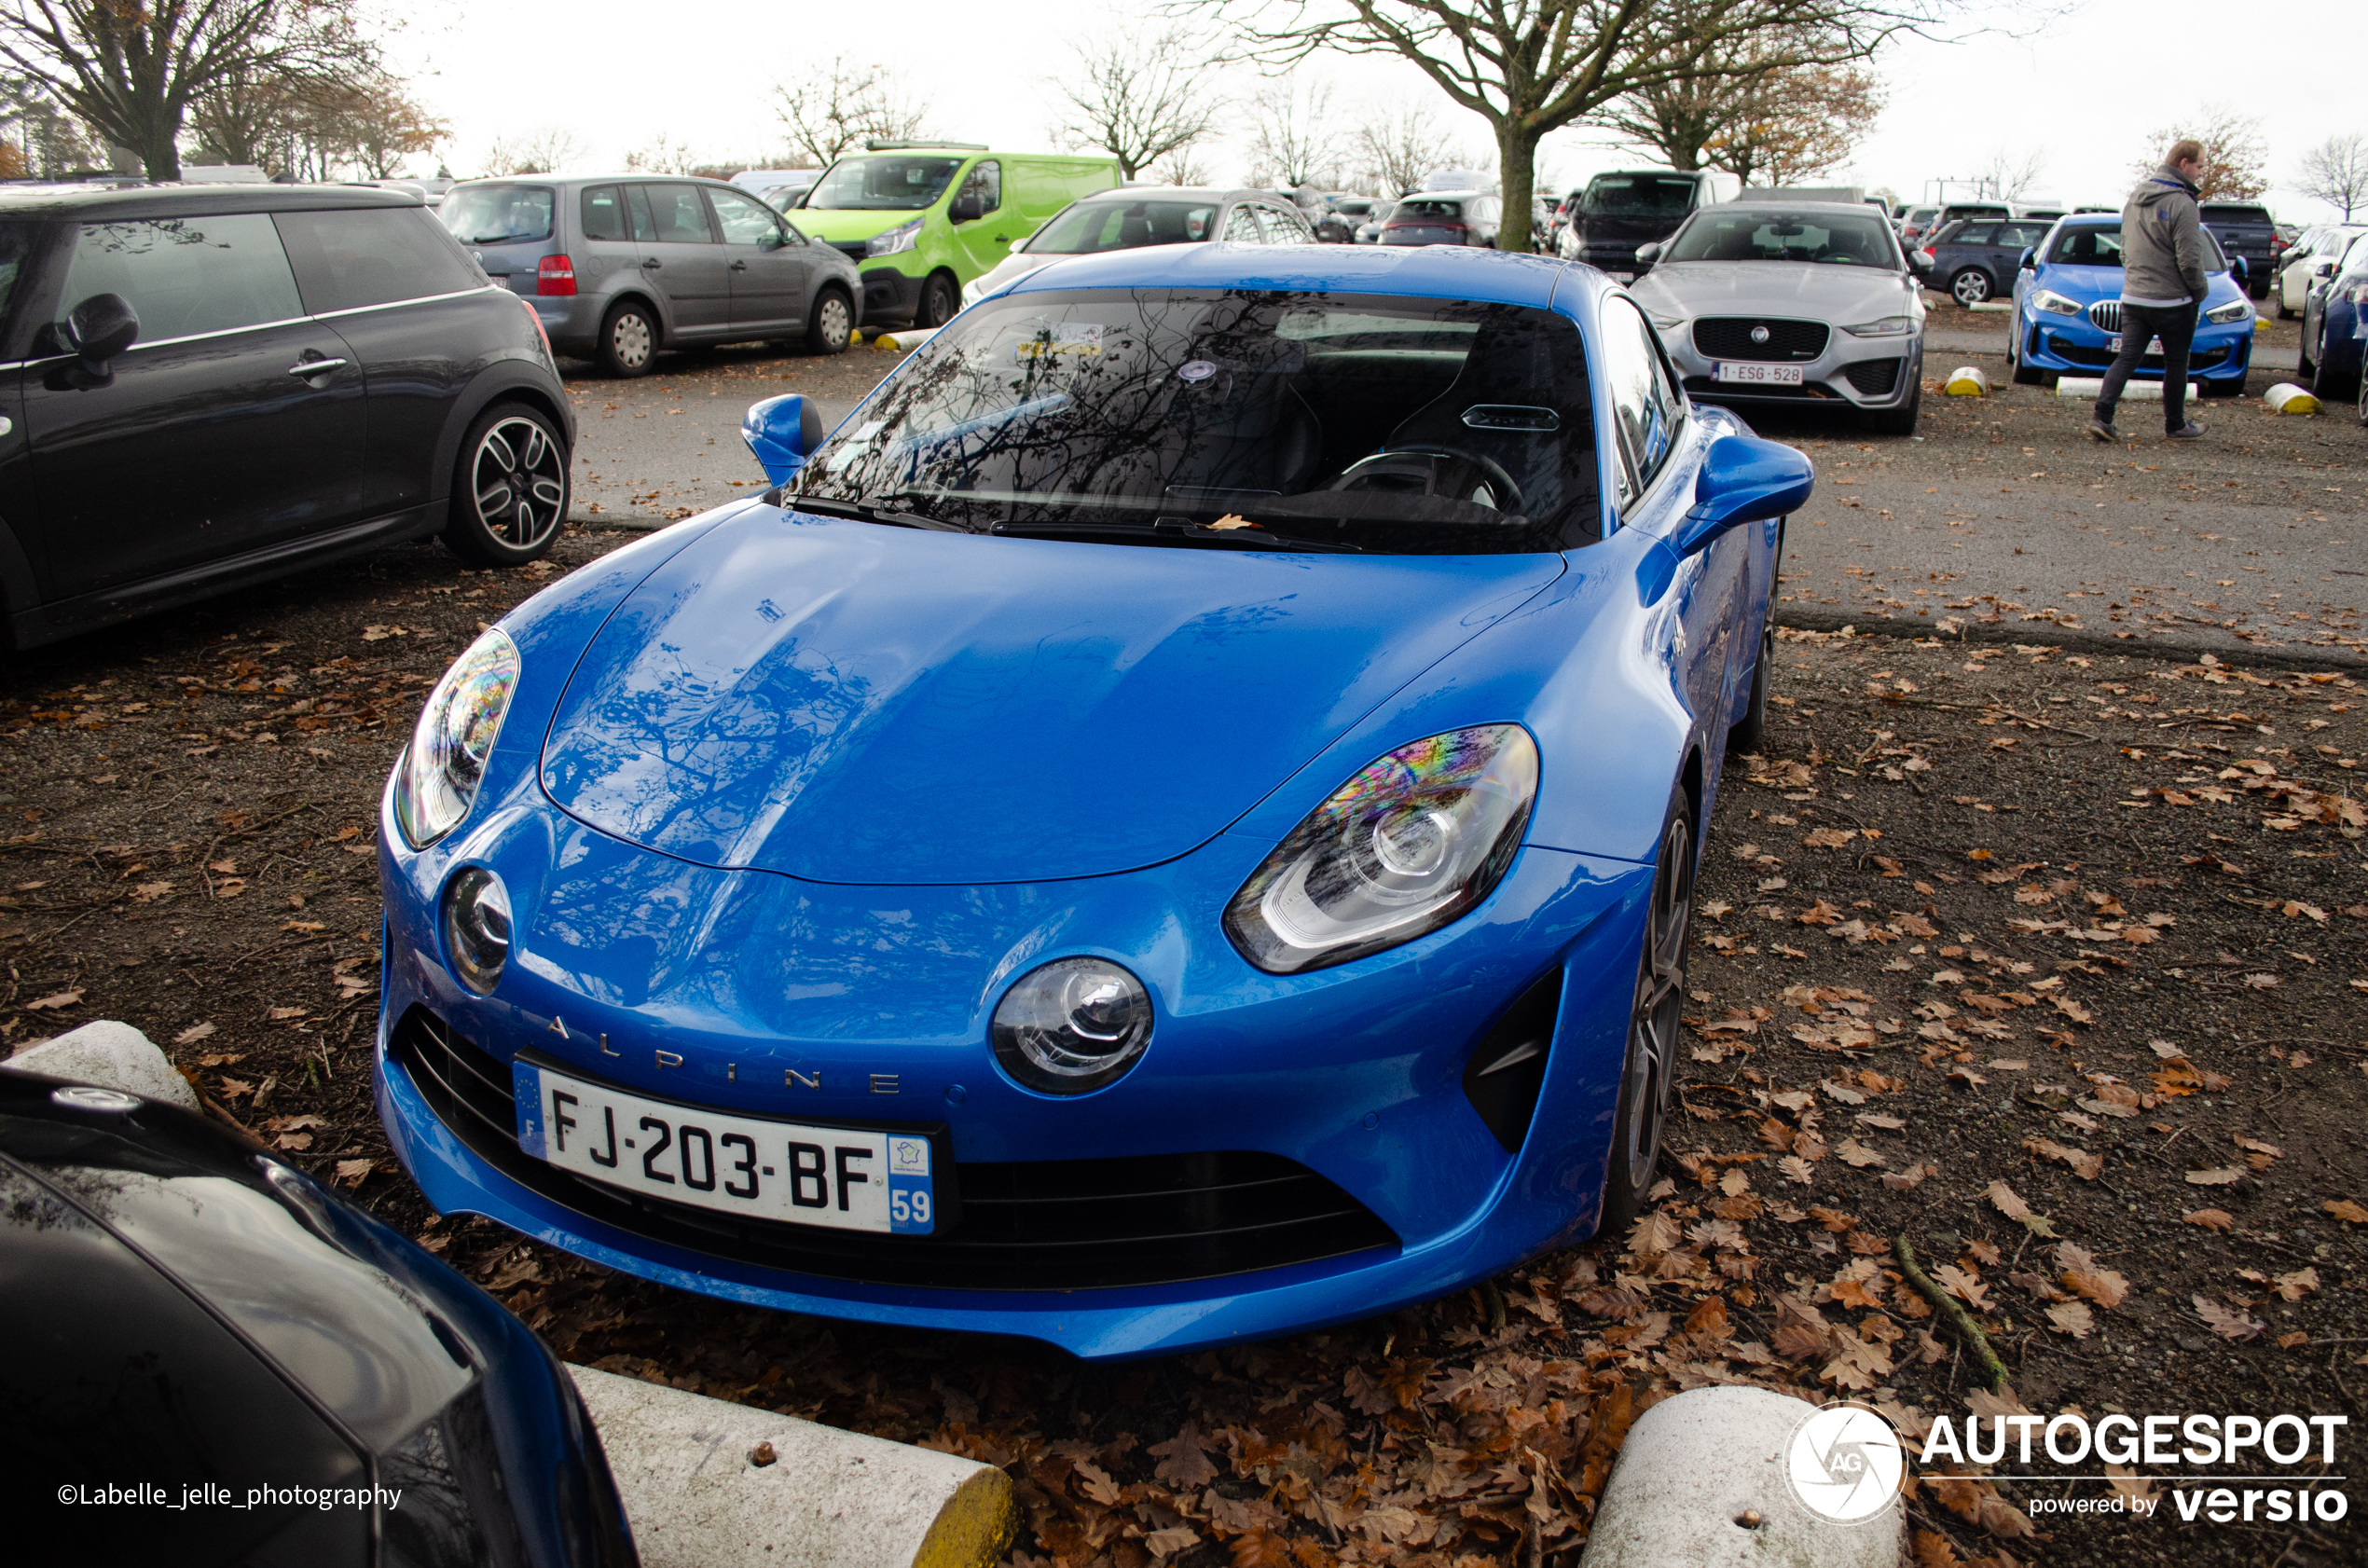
[
  {"x": 1759, "y": 374},
  {"x": 840, "y": 1177}
]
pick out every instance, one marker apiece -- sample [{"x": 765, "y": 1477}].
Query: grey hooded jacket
[{"x": 2162, "y": 242}]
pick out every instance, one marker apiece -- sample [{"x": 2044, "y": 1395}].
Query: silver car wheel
[
  {"x": 834, "y": 320},
  {"x": 518, "y": 483},
  {"x": 1660, "y": 986},
  {"x": 1971, "y": 287},
  {"x": 629, "y": 339}
]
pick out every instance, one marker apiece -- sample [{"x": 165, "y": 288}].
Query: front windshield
[
  {"x": 1121, "y": 225},
  {"x": 1637, "y": 196},
  {"x": 883, "y": 182},
  {"x": 2099, "y": 244},
  {"x": 1267, "y": 420},
  {"x": 498, "y": 214},
  {"x": 1831, "y": 238}
]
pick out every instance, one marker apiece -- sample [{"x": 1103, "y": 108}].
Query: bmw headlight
[
  {"x": 1074, "y": 1024},
  {"x": 888, "y": 241},
  {"x": 1412, "y": 843},
  {"x": 437, "y": 778},
  {"x": 1890, "y": 326},
  {"x": 2055, "y": 304},
  {"x": 2234, "y": 310}
]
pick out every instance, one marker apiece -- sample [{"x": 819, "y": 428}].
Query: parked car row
[
  {"x": 2315, "y": 256},
  {"x": 2334, "y": 327}
]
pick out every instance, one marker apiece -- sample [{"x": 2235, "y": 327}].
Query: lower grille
[
  {"x": 2105, "y": 315},
  {"x": 1786, "y": 342},
  {"x": 2084, "y": 354},
  {"x": 1873, "y": 378},
  {"x": 1024, "y": 1225},
  {"x": 1702, "y": 386}
]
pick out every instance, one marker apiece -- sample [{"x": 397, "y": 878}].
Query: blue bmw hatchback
[
  {"x": 1177, "y": 823},
  {"x": 2066, "y": 317}
]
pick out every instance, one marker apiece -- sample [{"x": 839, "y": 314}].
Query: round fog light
[
  {"x": 1075, "y": 1024},
  {"x": 477, "y": 928}
]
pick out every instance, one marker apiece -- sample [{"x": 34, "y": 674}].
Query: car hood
[
  {"x": 1822, "y": 293},
  {"x": 2088, "y": 284},
  {"x": 846, "y": 702}
]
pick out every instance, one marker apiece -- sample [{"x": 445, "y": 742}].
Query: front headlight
[
  {"x": 2234, "y": 310},
  {"x": 437, "y": 778},
  {"x": 1890, "y": 326},
  {"x": 2054, "y": 303},
  {"x": 903, "y": 237},
  {"x": 1412, "y": 843}
]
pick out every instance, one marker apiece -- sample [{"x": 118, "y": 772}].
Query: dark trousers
[{"x": 2175, "y": 324}]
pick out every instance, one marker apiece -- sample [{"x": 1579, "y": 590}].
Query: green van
[{"x": 923, "y": 218}]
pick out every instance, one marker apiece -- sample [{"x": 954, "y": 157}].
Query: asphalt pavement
[{"x": 2000, "y": 517}]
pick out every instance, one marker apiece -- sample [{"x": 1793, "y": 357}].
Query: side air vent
[{"x": 1505, "y": 1075}]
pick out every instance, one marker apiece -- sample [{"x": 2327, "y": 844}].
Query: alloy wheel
[
  {"x": 518, "y": 480},
  {"x": 629, "y": 339},
  {"x": 1971, "y": 287},
  {"x": 1660, "y": 988}
]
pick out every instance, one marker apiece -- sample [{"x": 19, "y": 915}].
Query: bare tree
[
  {"x": 1294, "y": 140},
  {"x": 133, "y": 69},
  {"x": 1803, "y": 121},
  {"x": 663, "y": 155},
  {"x": 2235, "y": 163},
  {"x": 2013, "y": 176},
  {"x": 834, "y": 109},
  {"x": 311, "y": 129},
  {"x": 545, "y": 150},
  {"x": 2335, "y": 172},
  {"x": 1400, "y": 143},
  {"x": 1530, "y": 67},
  {"x": 1139, "y": 98},
  {"x": 1184, "y": 166}
]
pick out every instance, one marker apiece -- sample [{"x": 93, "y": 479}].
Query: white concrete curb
[
  {"x": 2134, "y": 391},
  {"x": 1701, "y": 1483},
  {"x": 700, "y": 1492},
  {"x": 112, "y": 1055},
  {"x": 1967, "y": 380},
  {"x": 2288, "y": 398}
]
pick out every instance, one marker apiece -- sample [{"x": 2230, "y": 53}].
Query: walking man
[{"x": 2162, "y": 287}]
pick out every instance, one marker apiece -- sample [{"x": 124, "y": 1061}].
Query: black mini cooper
[{"x": 202, "y": 387}]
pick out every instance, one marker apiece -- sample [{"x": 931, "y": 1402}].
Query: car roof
[
  {"x": 1771, "y": 204},
  {"x": 1210, "y": 193},
  {"x": 1443, "y": 271},
  {"x": 639, "y": 176},
  {"x": 179, "y": 200}
]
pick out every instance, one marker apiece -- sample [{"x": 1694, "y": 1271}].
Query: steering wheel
[{"x": 1478, "y": 472}]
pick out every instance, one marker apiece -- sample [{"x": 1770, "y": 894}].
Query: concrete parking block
[
  {"x": 112, "y": 1055},
  {"x": 1702, "y": 1482},
  {"x": 710, "y": 1484}
]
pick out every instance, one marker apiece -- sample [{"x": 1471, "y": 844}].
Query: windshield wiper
[
  {"x": 1252, "y": 539},
  {"x": 868, "y": 512},
  {"x": 502, "y": 238}
]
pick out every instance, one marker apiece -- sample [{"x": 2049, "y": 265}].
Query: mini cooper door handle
[{"x": 305, "y": 370}]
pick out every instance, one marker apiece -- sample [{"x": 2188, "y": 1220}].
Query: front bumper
[
  {"x": 890, "y": 299},
  {"x": 708, "y": 987},
  {"x": 2072, "y": 346},
  {"x": 1852, "y": 372}
]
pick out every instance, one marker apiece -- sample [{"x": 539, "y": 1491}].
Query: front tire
[
  {"x": 1970, "y": 287},
  {"x": 1896, "y": 421},
  {"x": 510, "y": 491},
  {"x": 2327, "y": 383},
  {"x": 1651, "y": 1062},
  {"x": 940, "y": 299},
  {"x": 832, "y": 326},
  {"x": 1749, "y": 731},
  {"x": 2025, "y": 376},
  {"x": 628, "y": 341}
]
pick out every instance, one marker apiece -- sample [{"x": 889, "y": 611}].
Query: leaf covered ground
[{"x": 2049, "y": 963}]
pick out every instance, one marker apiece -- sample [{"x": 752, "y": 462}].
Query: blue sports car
[
  {"x": 2066, "y": 317},
  {"x": 1177, "y": 823}
]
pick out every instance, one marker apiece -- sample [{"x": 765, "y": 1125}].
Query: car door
[
  {"x": 769, "y": 274},
  {"x": 683, "y": 257},
  {"x": 233, "y": 422},
  {"x": 986, "y": 239}
]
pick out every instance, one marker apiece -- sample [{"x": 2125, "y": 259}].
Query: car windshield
[
  {"x": 891, "y": 181},
  {"x": 1123, "y": 226},
  {"x": 1637, "y": 196},
  {"x": 499, "y": 214},
  {"x": 2099, "y": 244},
  {"x": 1271, "y": 420},
  {"x": 1845, "y": 241}
]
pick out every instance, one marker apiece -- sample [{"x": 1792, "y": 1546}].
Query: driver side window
[
  {"x": 985, "y": 182},
  {"x": 1646, "y": 409}
]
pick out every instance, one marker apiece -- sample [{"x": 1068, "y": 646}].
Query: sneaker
[
  {"x": 2102, "y": 429},
  {"x": 2187, "y": 432}
]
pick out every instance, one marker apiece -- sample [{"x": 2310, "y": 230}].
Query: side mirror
[
  {"x": 1647, "y": 254},
  {"x": 782, "y": 432},
  {"x": 2236, "y": 267},
  {"x": 966, "y": 209},
  {"x": 2323, "y": 269},
  {"x": 2030, "y": 262},
  {"x": 1743, "y": 479},
  {"x": 95, "y": 332}
]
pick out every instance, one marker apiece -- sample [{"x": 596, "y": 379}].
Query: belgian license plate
[
  {"x": 1759, "y": 374},
  {"x": 2112, "y": 344},
  {"x": 840, "y": 1177},
  {"x": 1623, "y": 277}
]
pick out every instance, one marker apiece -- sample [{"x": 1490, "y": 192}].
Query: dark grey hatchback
[{"x": 203, "y": 387}]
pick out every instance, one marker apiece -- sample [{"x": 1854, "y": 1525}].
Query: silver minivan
[{"x": 621, "y": 266}]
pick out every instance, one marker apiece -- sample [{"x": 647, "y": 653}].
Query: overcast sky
[{"x": 2085, "y": 91}]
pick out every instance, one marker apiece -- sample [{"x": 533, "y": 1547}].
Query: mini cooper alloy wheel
[{"x": 518, "y": 480}]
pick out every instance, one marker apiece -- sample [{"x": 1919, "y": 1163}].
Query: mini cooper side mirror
[
  {"x": 1742, "y": 480},
  {"x": 782, "y": 432},
  {"x": 95, "y": 332}
]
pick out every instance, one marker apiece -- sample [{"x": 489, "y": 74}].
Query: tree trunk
[{"x": 1516, "y": 173}]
